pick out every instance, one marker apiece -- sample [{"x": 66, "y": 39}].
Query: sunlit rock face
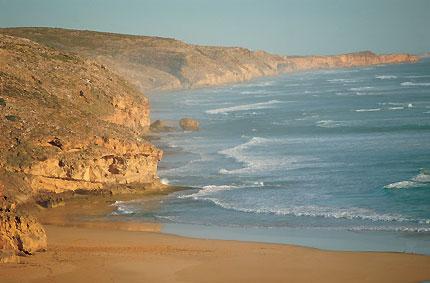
[
  {"x": 68, "y": 122},
  {"x": 155, "y": 63}
]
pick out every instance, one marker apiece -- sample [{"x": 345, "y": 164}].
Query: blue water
[{"x": 335, "y": 159}]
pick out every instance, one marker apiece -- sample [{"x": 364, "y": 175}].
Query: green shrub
[{"x": 12, "y": 118}]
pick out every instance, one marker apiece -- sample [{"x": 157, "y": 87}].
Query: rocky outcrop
[
  {"x": 68, "y": 124},
  {"x": 159, "y": 126},
  {"x": 95, "y": 165},
  {"x": 19, "y": 234},
  {"x": 189, "y": 124},
  {"x": 79, "y": 125},
  {"x": 154, "y": 63}
]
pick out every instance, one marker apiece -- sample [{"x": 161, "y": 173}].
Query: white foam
[
  {"x": 253, "y": 92},
  {"x": 209, "y": 190},
  {"x": 253, "y": 161},
  {"x": 121, "y": 208},
  {"x": 361, "y": 88},
  {"x": 342, "y": 81},
  {"x": 396, "y": 108},
  {"x": 329, "y": 124},
  {"x": 401, "y": 185},
  {"x": 391, "y": 228},
  {"x": 386, "y": 77},
  {"x": 257, "y": 84},
  {"x": 244, "y": 107},
  {"x": 368, "y": 110},
  {"x": 419, "y": 181},
  {"x": 213, "y": 189},
  {"x": 414, "y": 84},
  {"x": 422, "y": 178},
  {"x": 313, "y": 211},
  {"x": 368, "y": 93},
  {"x": 417, "y": 77},
  {"x": 170, "y": 218}
]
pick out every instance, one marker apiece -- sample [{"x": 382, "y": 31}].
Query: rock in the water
[
  {"x": 20, "y": 234},
  {"x": 189, "y": 124},
  {"x": 160, "y": 126}
]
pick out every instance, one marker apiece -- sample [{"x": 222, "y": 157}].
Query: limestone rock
[
  {"x": 189, "y": 124},
  {"x": 21, "y": 234},
  {"x": 161, "y": 126}
]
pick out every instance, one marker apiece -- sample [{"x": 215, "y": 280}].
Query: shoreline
[
  {"x": 84, "y": 249},
  {"x": 83, "y": 242},
  {"x": 152, "y": 93}
]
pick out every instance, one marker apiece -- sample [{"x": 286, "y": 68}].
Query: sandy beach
[{"x": 103, "y": 251}]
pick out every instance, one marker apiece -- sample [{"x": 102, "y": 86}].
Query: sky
[{"x": 287, "y": 27}]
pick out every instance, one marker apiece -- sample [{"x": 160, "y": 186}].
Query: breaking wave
[
  {"x": 342, "y": 81},
  {"x": 414, "y": 84},
  {"x": 244, "y": 107},
  {"x": 213, "y": 189},
  {"x": 122, "y": 208},
  {"x": 330, "y": 124},
  {"x": 361, "y": 88},
  {"x": 254, "y": 161},
  {"x": 368, "y": 110},
  {"x": 316, "y": 211},
  {"x": 420, "y": 181},
  {"x": 386, "y": 77}
]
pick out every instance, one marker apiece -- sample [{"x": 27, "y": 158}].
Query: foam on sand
[{"x": 244, "y": 107}]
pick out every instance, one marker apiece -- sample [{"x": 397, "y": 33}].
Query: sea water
[{"x": 336, "y": 159}]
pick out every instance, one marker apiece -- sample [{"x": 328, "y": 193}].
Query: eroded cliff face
[
  {"x": 68, "y": 123},
  {"x": 366, "y": 58},
  {"x": 154, "y": 63}
]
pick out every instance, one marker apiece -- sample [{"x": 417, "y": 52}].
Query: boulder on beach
[{"x": 189, "y": 124}]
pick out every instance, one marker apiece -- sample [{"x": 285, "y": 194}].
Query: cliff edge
[
  {"x": 66, "y": 123},
  {"x": 156, "y": 64}
]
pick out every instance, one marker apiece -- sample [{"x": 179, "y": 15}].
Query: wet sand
[{"x": 104, "y": 251}]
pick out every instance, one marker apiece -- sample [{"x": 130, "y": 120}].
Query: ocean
[{"x": 333, "y": 159}]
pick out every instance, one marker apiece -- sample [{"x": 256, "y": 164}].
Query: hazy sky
[{"x": 285, "y": 27}]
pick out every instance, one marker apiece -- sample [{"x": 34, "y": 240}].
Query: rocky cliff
[
  {"x": 154, "y": 63},
  {"x": 66, "y": 123}
]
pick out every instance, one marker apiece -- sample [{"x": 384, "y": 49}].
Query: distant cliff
[{"x": 154, "y": 63}]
